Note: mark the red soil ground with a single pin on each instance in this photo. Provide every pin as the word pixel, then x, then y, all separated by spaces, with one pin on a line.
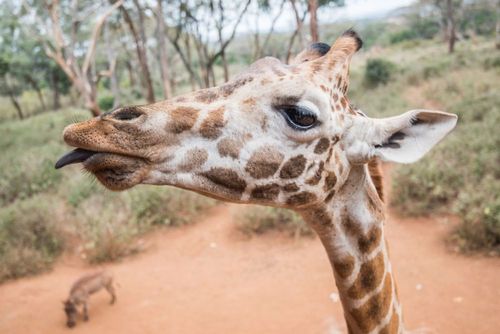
pixel 206 278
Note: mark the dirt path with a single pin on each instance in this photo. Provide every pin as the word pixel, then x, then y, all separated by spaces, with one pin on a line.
pixel 207 279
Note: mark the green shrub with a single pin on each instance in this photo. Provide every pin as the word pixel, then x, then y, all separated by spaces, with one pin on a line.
pixel 109 223
pixel 378 71
pixel 106 102
pixel 29 174
pixel 259 220
pixel 460 175
pixel 29 238
pixel 166 206
pixel 403 35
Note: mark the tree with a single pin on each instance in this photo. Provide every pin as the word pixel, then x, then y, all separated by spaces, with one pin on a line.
pixel 7 87
pixel 313 7
pixel 162 50
pixel 140 45
pixel 62 48
pixel 195 20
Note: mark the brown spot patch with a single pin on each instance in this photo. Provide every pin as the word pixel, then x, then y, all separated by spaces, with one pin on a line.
pixel 265 81
pixel 344 267
pixel 291 187
pixel 370 241
pixel 226 178
pixel 229 147
pixel 266 192
pixel 322 146
pixel 330 181
pixel 293 167
pixel 369 277
pixel 302 198
pixel 314 180
pixel 369 315
pixel 212 124
pixel 343 102
pixel 264 162
pixel 350 227
pixel 335 97
pixel 194 158
pixel 317 67
pixel 229 88
pixel 207 95
pixel 182 119
pixel 323 88
pixel 330 196
pixel 393 326
pixel 250 102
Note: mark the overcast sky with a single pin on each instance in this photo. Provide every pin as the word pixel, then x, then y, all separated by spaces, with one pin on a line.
pixel 354 9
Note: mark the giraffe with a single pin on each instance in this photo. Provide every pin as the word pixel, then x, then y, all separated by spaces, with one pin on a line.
pixel 277 135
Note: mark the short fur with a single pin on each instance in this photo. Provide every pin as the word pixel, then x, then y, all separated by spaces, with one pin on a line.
pixel 81 291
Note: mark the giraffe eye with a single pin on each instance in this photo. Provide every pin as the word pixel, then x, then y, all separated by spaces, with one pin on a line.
pixel 299 118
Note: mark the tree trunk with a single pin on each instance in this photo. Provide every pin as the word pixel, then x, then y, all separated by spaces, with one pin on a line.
pixel 111 55
pixel 225 66
pixel 313 8
pixel 16 104
pixel 497 30
pixel 130 71
pixel 37 89
pixel 56 100
pixel 450 26
pixel 299 23
pixel 141 55
pixel 192 78
pixel 162 52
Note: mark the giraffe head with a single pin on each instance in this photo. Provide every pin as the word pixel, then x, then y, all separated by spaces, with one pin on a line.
pixel 280 135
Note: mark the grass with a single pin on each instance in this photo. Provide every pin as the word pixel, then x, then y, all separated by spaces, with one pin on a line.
pixel 259 220
pixel 43 212
pixel 461 175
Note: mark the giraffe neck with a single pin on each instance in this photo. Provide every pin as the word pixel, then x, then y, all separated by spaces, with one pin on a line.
pixel 351 229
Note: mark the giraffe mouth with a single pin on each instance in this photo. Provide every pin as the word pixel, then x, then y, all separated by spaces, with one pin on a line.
pixel 115 171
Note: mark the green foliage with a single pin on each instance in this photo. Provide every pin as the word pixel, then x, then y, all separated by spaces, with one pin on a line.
pixel 259 220
pixel 479 19
pixel 29 238
pixel 106 102
pixel 378 71
pixel 461 174
pixel 403 35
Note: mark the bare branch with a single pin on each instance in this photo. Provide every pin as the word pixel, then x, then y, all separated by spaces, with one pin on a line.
pixel 95 35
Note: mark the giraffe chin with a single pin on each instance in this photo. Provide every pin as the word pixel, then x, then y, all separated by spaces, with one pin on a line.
pixel 117 172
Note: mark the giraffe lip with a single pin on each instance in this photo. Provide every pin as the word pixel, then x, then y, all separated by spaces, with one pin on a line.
pixel 76 156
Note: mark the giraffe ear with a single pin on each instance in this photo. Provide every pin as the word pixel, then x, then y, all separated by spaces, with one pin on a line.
pixel 408 137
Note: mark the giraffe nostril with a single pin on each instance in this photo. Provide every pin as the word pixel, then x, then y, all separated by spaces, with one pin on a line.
pixel 127 114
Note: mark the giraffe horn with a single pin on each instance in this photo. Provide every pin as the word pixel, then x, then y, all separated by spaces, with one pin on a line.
pixel 346 45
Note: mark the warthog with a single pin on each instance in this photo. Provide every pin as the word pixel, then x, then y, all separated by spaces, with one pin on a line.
pixel 81 291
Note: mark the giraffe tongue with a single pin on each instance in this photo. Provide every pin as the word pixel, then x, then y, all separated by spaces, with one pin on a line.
pixel 73 157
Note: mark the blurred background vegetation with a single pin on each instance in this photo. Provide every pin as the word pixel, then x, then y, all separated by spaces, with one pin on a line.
pixel 64 61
